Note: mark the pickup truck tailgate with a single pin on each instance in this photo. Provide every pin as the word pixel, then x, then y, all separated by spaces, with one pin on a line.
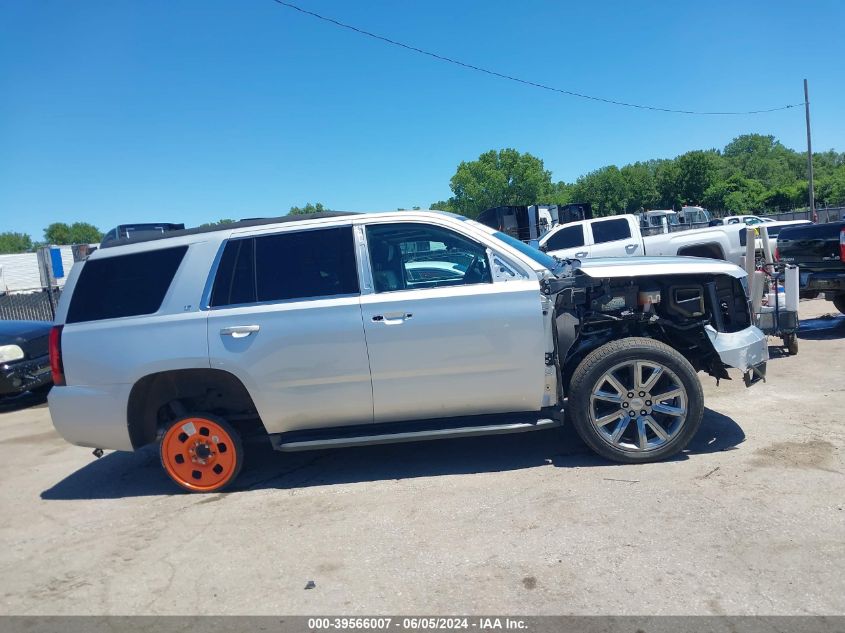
pixel 812 246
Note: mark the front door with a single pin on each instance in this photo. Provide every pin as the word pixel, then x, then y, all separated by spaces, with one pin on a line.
pixel 567 242
pixel 443 338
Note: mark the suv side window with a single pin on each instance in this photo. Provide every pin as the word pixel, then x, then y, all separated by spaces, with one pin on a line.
pixel 568 237
pixel 125 285
pixel 407 256
pixel 611 230
pixel 294 265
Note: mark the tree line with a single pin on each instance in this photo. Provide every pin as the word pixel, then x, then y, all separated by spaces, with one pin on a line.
pixel 752 173
pixel 58 233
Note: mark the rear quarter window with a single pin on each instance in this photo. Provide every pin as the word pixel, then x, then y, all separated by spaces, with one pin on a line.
pixel 125 285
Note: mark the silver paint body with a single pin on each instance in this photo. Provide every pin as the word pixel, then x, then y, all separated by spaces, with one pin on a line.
pixel 322 362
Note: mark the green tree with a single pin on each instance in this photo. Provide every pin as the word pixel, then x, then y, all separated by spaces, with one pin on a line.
pixel 695 173
pixel 736 195
pixel 220 222
pixel 11 242
pixel 76 233
pixel 506 177
pixel 641 187
pixel 764 159
pixel 561 193
pixel 829 190
pixel 605 189
pixel 308 208
pixel 785 197
pixel 667 178
pixel 442 205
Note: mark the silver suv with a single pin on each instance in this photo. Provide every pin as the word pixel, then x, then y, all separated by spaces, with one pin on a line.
pixel 348 329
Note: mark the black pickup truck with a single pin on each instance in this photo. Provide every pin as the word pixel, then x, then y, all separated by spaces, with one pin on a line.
pixel 819 251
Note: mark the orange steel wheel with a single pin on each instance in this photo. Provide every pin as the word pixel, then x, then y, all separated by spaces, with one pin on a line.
pixel 201 453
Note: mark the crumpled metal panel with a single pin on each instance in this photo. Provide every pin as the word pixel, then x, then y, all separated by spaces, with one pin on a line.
pixel 742 350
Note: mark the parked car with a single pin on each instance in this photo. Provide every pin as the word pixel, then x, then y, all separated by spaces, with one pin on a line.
pixel 819 251
pixel 24 358
pixel 622 236
pixel 320 328
pixel 751 220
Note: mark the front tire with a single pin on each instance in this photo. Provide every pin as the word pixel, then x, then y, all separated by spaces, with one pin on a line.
pixel 635 400
pixel 201 453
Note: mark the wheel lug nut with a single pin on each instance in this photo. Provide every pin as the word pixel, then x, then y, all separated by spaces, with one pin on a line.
pixel 630 394
pixel 648 403
pixel 643 412
pixel 624 405
pixel 642 394
pixel 633 414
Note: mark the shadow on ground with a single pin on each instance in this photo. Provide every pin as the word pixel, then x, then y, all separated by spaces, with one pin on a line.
pixel 119 474
pixel 824 328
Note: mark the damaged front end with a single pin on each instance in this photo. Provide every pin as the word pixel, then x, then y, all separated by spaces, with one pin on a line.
pixel 697 306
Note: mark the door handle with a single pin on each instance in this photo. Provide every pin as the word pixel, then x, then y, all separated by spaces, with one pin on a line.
pixel 392 318
pixel 581 254
pixel 239 331
pixel 630 247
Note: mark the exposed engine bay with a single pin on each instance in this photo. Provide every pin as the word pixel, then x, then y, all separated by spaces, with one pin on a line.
pixel 697 314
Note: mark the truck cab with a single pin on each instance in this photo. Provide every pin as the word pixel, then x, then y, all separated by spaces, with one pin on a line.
pixel 613 236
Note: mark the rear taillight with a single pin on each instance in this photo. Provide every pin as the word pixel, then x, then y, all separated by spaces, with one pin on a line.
pixel 842 245
pixel 57 368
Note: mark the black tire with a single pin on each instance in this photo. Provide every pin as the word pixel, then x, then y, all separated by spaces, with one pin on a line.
pixel 590 376
pixel 839 302
pixel 183 442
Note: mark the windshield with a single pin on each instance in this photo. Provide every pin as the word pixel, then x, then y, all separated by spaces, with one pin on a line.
pixel 547 261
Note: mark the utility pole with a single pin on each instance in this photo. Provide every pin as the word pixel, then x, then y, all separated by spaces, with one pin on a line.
pixel 813 215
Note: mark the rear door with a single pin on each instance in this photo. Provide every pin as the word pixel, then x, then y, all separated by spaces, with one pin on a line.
pixel 568 242
pixel 445 339
pixel 285 318
pixel 613 237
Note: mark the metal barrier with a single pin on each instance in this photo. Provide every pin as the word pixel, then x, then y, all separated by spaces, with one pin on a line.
pixel 827 214
pixel 37 304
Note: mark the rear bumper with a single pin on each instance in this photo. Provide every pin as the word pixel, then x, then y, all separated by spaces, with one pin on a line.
pixel 746 350
pixel 834 281
pixel 92 416
pixel 24 375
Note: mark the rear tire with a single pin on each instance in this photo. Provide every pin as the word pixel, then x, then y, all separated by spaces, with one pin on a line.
pixel 839 302
pixel 635 400
pixel 201 453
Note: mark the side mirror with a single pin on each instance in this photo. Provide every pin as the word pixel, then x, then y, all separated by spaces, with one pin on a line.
pixel 544 248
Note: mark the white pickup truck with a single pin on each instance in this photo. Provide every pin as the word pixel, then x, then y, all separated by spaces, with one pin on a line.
pixel 621 236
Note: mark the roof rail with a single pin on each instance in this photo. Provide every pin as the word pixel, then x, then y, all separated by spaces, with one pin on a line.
pixel 225 227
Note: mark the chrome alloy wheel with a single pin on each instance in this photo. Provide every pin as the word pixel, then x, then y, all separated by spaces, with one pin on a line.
pixel 638 406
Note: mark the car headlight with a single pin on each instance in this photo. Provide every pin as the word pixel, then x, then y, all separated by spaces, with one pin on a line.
pixel 9 353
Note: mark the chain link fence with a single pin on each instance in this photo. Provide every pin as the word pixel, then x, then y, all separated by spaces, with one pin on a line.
pixel 37 304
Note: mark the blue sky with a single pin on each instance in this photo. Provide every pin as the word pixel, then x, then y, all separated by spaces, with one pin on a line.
pixel 117 111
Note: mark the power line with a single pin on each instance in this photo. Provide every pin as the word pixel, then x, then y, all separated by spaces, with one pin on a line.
pixel 526 82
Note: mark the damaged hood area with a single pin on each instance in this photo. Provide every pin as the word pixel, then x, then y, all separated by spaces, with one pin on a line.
pixel 614 267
